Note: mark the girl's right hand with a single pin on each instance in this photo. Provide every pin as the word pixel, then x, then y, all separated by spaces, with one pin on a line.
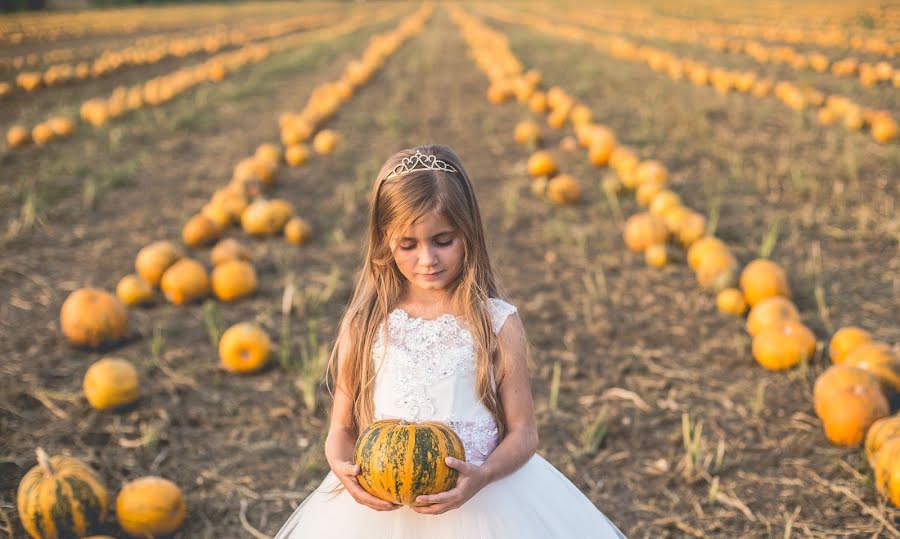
pixel 347 472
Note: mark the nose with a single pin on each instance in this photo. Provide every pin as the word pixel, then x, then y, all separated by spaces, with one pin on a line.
pixel 428 257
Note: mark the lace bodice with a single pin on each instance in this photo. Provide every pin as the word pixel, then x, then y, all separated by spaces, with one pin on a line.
pixel 426 371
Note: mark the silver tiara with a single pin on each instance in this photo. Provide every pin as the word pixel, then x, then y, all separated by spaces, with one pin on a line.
pixel 420 161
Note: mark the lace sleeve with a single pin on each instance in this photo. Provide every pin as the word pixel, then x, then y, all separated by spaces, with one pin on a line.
pixel 500 310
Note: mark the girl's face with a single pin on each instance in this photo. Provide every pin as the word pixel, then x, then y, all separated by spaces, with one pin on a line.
pixel 429 253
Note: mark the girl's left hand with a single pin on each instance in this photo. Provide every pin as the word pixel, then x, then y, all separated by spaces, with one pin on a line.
pixel 471 479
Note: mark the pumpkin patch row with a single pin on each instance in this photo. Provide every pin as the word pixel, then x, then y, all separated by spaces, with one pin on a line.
pixel 868 73
pixel 114 59
pixel 43 26
pixel 816 24
pixel 854 116
pixel 162 89
pixel 779 338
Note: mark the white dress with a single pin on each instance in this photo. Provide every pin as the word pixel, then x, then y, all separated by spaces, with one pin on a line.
pixel 428 373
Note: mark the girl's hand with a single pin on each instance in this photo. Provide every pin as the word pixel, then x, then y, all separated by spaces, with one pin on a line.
pixel 471 479
pixel 347 472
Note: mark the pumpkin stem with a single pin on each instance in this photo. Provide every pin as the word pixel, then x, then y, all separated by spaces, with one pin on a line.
pixel 44 460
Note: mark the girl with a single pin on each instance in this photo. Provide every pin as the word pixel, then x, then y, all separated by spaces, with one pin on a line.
pixel 426 337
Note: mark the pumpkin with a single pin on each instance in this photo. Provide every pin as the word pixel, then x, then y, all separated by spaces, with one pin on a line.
pixel 150 506
pixel 527 132
pixel 675 217
pixel 218 214
pixel 269 152
pixel 717 271
pixel 601 146
pixel 784 345
pixel 266 217
pixel 557 119
pixel 563 189
pixel 877 358
pixel 233 279
pixel 297 231
pixel 185 281
pixel 848 400
pixel 17 136
pixel 61 126
pixel 880 432
pixel 200 230
pixel 731 301
pixel 154 259
pixel 61 497
pixel 662 201
pixel 770 312
pixel 645 193
pixel 244 347
pixel 110 382
pixel 651 171
pixel 296 154
pixel 691 228
pixel 325 141
pixel 763 279
pixel 845 340
pixel 887 470
pixel 537 102
pixel 231 200
pixel 541 164
pixel 400 461
pixel 702 248
pixel 580 115
pixel 568 144
pixel 229 249
pixel 92 317
pixel 656 255
pixel 133 290
pixel 643 230
pixel 41 134
pixel 884 129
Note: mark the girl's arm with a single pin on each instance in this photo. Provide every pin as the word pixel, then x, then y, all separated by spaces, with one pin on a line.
pixel 521 439
pixel 342 438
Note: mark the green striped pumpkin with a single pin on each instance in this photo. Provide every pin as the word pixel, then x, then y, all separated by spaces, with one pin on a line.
pixel 399 460
pixel 61 497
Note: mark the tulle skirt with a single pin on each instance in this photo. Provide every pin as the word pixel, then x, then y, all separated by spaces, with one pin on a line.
pixel 536 501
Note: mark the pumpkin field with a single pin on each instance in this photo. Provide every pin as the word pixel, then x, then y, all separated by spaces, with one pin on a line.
pixel 694 207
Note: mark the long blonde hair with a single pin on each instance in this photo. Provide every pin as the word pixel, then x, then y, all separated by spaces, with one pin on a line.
pixel 396 203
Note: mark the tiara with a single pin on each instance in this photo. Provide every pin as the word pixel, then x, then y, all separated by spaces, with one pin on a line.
pixel 419 161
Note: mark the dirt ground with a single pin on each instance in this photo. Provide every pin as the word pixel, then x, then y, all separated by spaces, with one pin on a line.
pixel 643 348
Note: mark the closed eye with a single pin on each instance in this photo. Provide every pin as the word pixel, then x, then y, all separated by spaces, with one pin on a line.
pixel 412 246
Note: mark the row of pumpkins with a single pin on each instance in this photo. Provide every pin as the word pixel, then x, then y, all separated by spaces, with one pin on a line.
pixel 138 55
pixel 869 73
pixel 854 116
pixel 91 317
pixel 849 396
pixel 159 90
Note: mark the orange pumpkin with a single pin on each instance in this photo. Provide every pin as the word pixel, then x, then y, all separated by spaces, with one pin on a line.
pixel 185 281
pixel 763 279
pixel 887 470
pixel 229 249
pixel 325 141
pixel 702 248
pixel 848 400
pixel 564 189
pixel 233 279
pixel 731 301
pixel 269 152
pixel 846 339
pixel 150 506
pixel 784 345
pixel 154 259
pixel 244 347
pixel 643 230
pixel 880 432
pixel 297 231
pixel 17 136
pixel 527 132
pixel 662 201
pixel 133 290
pixel 92 317
pixel 651 171
pixel 656 255
pixel 296 155
pixel 717 271
pixel 691 228
pixel 200 230
pixel 541 164
pixel 111 382
pixel 770 312
pixel 879 359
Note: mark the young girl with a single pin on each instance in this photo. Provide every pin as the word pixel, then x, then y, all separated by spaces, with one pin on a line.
pixel 427 337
